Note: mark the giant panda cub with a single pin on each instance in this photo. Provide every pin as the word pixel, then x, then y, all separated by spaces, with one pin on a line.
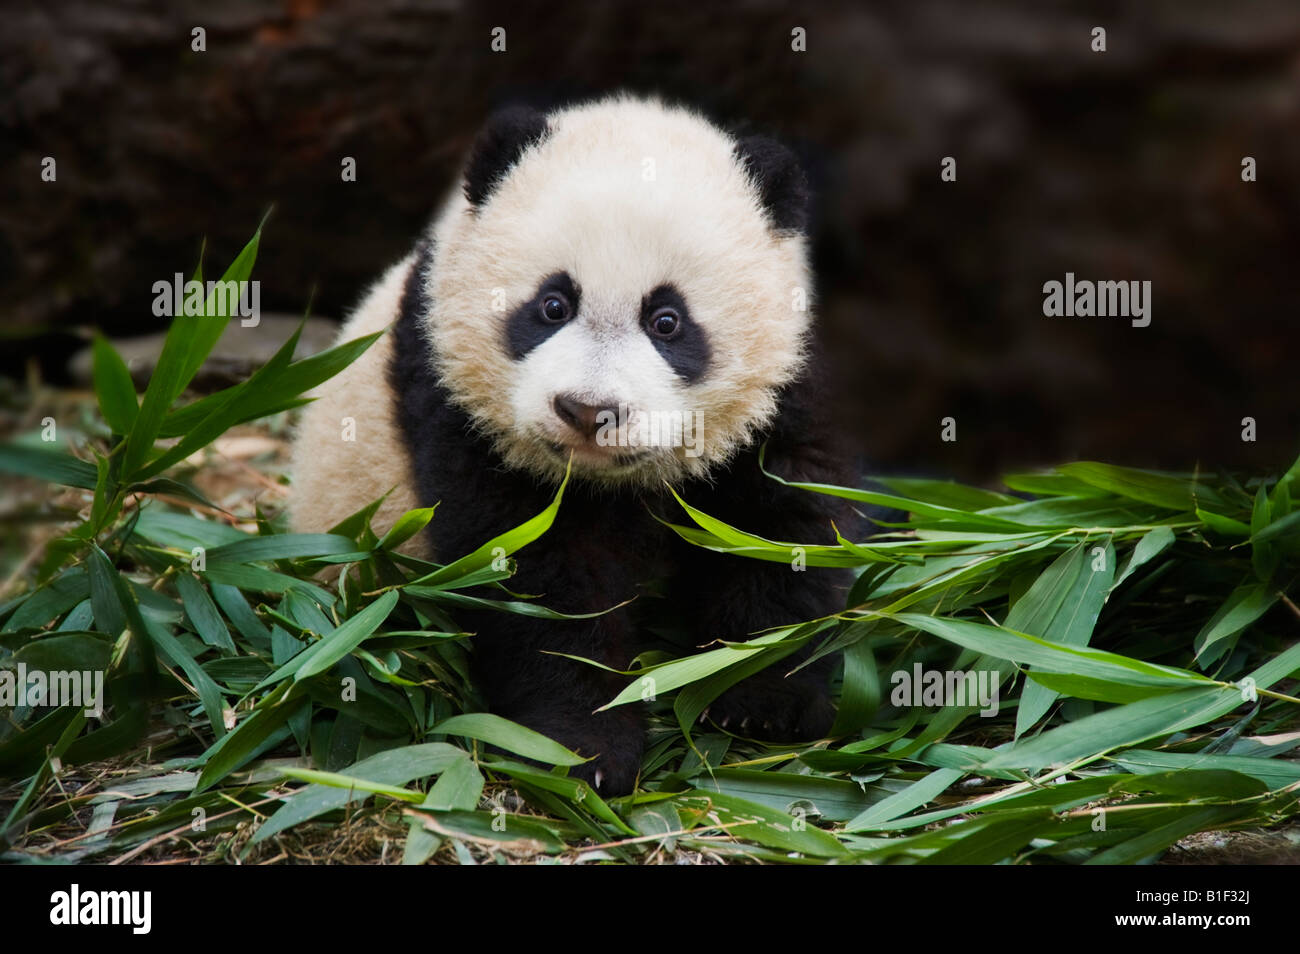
pixel 624 286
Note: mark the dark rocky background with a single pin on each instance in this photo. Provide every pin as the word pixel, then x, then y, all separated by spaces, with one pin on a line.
pixel 1120 165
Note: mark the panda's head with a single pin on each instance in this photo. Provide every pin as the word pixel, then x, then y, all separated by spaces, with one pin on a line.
pixel 622 282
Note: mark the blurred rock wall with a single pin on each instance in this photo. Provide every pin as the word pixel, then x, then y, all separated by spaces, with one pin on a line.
pixel 1117 165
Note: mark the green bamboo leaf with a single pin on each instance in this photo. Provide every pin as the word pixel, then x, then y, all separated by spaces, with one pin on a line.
pixel 725 538
pixel 256 579
pixel 1162 490
pixel 487 826
pixel 993 838
pixel 1244 606
pixel 174 652
pixel 831 799
pixel 348 782
pixel 189 341
pixel 1281 497
pixel 1262 512
pixel 1202 784
pixel 1153 543
pixel 1123 725
pixel 573 790
pixel 1274 773
pixel 445 594
pixel 860 697
pixel 900 803
pixel 269 394
pixel 494 730
pixel 458 788
pixel 280 546
pixel 1059 797
pixel 50 601
pixel 691 669
pixel 1150 842
pixel 68 652
pixel 696 696
pixel 1287 528
pixel 113 387
pixel 264 727
pixel 893 502
pixel 52 466
pixel 1025 649
pixel 946 493
pixel 222 418
pixel 500 546
pixel 1062 607
pixel 107 597
pixel 1264 556
pixel 182 531
pixel 751 821
pixel 1051 485
pixel 940 575
pixel 1066 513
pixel 392 767
pixel 814 555
pixel 1221 524
pixel 203 613
pixel 79 619
pixel 241 616
pixel 327 651
pixel 1090 687
pixel 275 385
pixel 165 486
pixel 407 526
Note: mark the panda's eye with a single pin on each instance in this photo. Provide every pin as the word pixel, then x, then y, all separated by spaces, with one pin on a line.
pixel 665 322
pixel 554 309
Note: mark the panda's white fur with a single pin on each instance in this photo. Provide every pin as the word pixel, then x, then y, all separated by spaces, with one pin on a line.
pixel 624 194
pixel 348 450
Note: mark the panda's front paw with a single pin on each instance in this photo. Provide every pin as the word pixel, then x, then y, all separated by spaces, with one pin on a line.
pixel 611 773
pixel 612 741
pixel 771 708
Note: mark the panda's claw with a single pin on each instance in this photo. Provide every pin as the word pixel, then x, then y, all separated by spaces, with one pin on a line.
pixel 776 709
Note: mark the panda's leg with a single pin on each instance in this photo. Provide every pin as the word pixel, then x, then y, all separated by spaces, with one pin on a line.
pixel 733 598
pixel 558 696
pixel 588 561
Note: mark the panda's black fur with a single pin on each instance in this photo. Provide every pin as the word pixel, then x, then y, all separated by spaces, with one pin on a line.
pixel 605 543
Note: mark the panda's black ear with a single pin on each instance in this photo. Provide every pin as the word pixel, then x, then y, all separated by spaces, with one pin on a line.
pixel 781 182
pixel 499 145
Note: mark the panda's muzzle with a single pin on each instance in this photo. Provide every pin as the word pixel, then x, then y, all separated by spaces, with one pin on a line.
pixel 583 419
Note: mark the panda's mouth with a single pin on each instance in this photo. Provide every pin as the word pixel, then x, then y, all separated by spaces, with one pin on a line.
pixel 595 456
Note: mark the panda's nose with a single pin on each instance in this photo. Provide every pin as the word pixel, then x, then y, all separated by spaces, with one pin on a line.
pixel 586 419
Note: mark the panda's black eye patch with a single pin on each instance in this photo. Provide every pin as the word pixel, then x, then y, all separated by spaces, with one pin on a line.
pixel 679 340
pixel 555 302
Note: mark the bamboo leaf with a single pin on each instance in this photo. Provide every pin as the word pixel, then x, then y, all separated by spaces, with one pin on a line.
pixel 113 387
pixel 507 735
pixel 1245 605
pixel 1062 607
